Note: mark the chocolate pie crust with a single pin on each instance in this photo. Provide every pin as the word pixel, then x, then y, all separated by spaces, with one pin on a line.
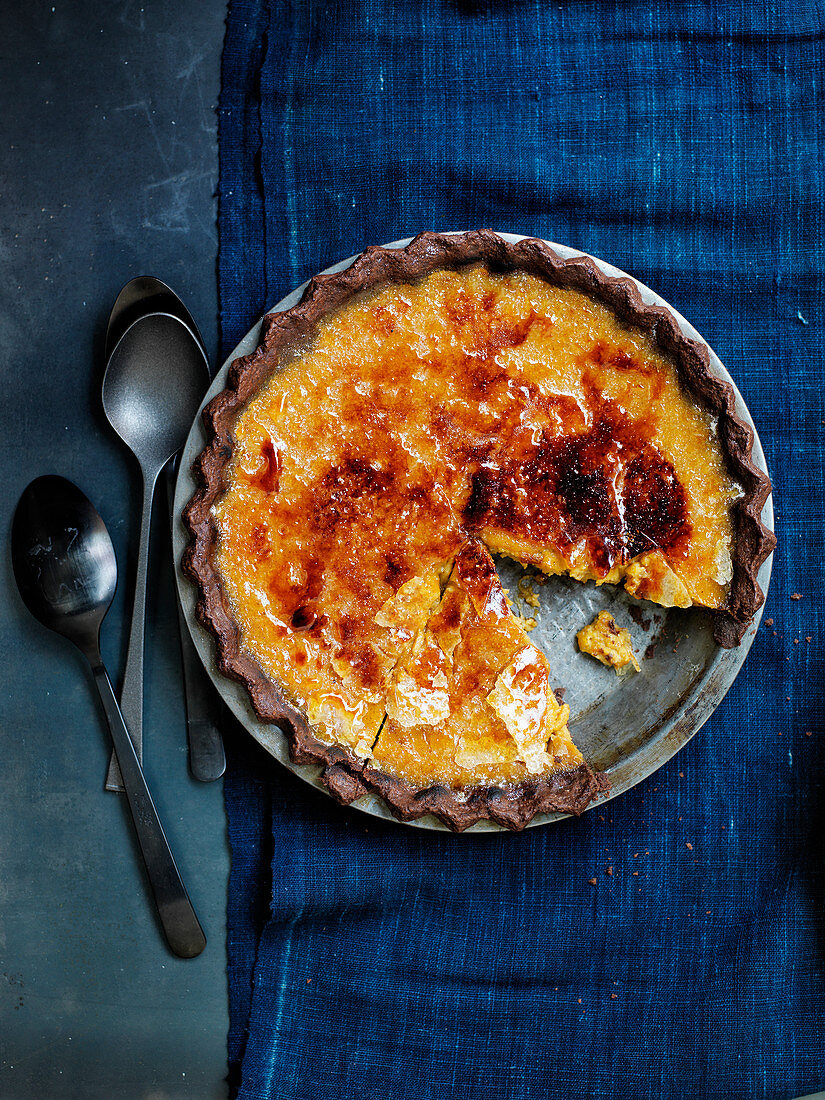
pixel 285 334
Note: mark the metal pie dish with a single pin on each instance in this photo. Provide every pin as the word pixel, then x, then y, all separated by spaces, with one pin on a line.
pixel 627 727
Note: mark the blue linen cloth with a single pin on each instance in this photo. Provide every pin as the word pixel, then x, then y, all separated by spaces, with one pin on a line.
pixel 682 142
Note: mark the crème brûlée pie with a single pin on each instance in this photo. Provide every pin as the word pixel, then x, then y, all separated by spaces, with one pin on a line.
pixel 412 415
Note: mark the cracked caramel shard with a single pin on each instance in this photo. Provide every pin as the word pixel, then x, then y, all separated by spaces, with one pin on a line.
pixel 427 406
pixel 524 701
pixel 476 701
pixel 608 643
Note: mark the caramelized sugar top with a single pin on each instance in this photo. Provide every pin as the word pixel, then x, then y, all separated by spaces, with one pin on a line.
pixel 472 703
pixel 470 403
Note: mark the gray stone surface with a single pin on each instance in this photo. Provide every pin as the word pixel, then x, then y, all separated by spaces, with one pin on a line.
pixel 108 166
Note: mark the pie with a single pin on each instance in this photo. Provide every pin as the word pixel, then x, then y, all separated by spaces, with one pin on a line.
pixel 412 415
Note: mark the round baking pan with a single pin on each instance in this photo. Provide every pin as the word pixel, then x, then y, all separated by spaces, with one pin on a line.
pixel 628 726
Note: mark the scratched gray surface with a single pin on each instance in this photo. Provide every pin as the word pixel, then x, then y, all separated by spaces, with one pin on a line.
pixel 107 170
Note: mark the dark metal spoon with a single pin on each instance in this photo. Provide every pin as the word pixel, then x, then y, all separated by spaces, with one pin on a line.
pixel 207 760
pixel 152 389
pixel 64 564
pixel 143 295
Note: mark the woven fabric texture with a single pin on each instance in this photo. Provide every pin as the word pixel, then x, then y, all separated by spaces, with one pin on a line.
pixel 684 143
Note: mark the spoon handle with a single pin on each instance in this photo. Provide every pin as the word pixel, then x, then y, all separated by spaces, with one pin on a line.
pixel 207 759
pixel 131 693
pixel 180 924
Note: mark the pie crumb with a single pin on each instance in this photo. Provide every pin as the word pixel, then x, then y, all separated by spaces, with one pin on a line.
pixel 527 592
pixel 527 623
pixel 608 643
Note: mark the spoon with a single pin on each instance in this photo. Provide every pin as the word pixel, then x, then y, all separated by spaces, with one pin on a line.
pixel 64 564
pixel 143 295
pixel 207 759
pixel 152 389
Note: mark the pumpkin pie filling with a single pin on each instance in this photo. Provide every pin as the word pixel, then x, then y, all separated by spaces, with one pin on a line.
pixel 424 424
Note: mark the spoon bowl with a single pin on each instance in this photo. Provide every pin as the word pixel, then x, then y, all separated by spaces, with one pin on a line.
pixel 63 559
pixel 140 296
pixel 154 382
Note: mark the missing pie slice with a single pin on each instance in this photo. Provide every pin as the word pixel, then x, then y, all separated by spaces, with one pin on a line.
pixel 411 414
